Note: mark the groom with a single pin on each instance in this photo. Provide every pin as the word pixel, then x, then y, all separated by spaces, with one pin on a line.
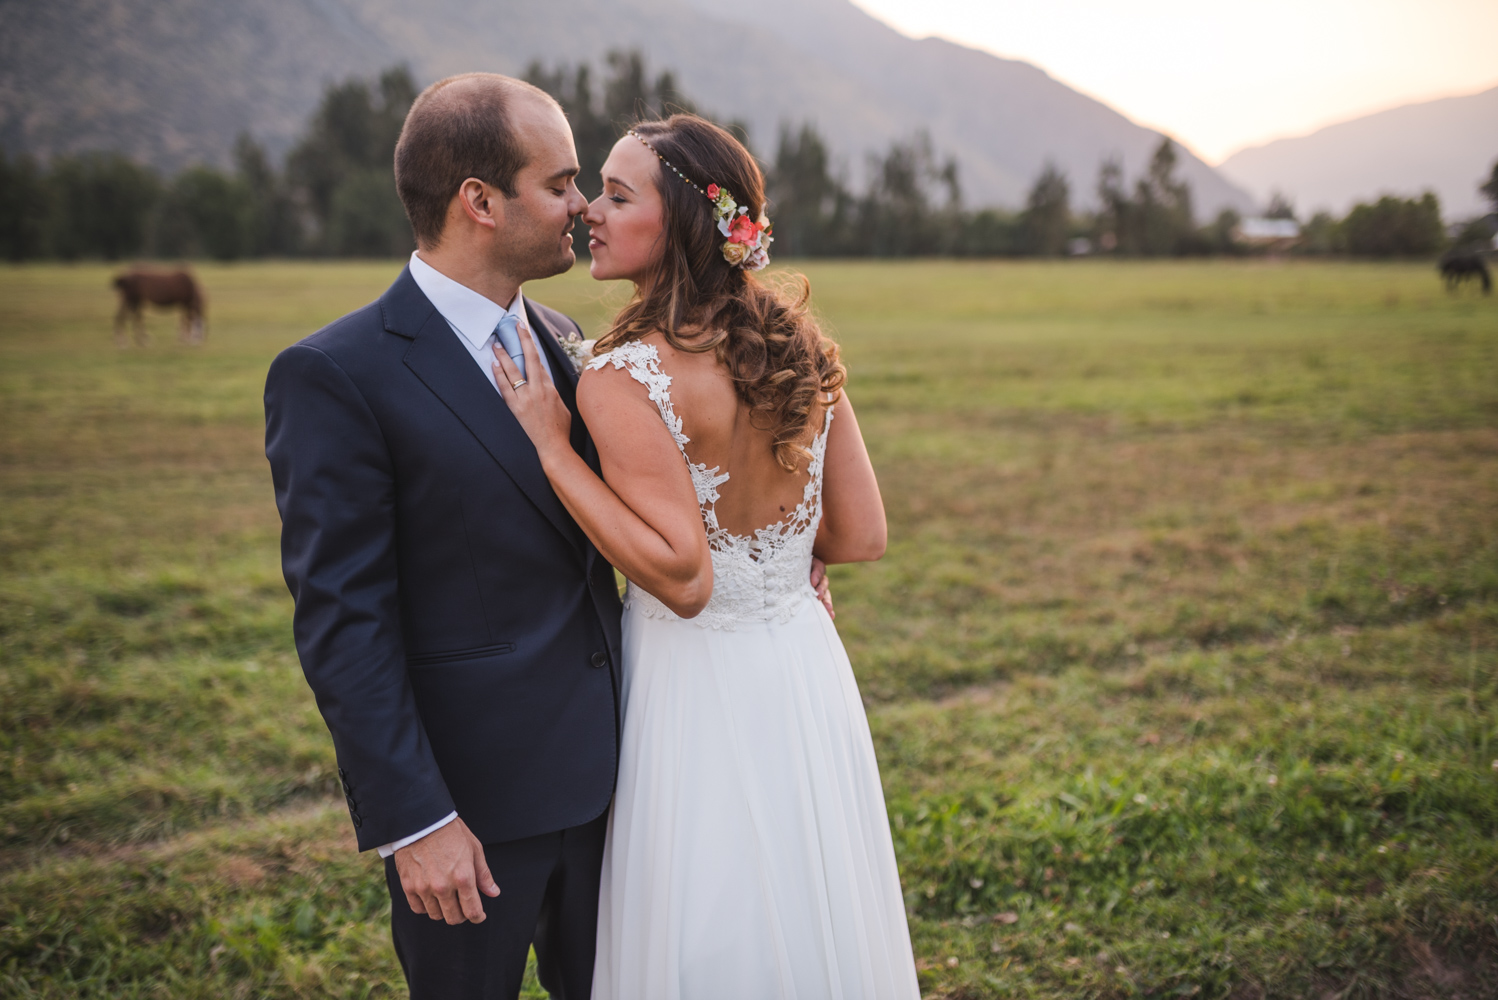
pixel 460 633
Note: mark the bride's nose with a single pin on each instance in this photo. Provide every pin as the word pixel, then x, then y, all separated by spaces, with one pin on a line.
pixel 594 215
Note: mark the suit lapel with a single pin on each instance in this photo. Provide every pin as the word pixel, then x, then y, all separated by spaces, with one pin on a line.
pixel 562 368
pixel 447 369
pixel 564 377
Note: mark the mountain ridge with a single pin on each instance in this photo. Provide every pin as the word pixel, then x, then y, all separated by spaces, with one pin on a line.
pixel 1447 145
pixel 172 81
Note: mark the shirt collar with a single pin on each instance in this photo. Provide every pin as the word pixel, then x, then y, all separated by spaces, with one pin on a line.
pixel 472 315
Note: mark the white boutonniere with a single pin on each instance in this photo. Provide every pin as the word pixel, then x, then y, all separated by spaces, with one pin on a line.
pixel 578 349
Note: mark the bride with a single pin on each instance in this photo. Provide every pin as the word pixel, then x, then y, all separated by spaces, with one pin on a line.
pixel 748 851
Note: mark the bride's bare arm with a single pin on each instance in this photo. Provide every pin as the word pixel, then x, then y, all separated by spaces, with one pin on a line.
pixel 644 518
pixel 853 526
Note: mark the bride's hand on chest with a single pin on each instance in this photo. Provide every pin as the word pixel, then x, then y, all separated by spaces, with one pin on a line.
pixel 533 398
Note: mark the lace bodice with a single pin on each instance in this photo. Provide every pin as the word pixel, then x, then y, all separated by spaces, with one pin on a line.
pixel 756 578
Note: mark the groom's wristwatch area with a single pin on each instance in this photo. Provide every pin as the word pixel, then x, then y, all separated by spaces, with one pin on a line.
pixel 388 849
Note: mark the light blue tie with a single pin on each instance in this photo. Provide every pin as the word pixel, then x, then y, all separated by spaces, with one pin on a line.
pixel 508 333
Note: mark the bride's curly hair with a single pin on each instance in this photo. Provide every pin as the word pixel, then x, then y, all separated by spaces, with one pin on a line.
pixel 782 367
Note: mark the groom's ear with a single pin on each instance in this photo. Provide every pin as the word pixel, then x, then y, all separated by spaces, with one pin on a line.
pixel 482 204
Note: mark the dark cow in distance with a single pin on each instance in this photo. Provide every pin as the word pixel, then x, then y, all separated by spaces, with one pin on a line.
pixel 167 289
pixel 1459 265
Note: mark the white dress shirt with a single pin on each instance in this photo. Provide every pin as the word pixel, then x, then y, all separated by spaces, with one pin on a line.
pixel 473 318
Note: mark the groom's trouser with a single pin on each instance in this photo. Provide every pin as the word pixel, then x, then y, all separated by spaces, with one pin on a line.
pixel 548 895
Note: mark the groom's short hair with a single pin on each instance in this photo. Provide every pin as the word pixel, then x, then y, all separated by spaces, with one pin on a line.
pixel 458 128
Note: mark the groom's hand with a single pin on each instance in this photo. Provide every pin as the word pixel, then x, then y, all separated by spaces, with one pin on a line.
pixel 443 873
pixel 820 585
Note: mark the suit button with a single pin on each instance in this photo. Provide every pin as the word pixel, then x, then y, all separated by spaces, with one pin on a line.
pixel 353 803
pixel 358 820
pixel 600 660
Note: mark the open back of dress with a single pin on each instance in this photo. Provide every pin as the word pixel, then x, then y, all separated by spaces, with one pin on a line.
pixel 760 574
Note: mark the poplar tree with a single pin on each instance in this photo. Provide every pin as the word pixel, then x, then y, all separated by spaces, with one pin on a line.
pixel 1047 215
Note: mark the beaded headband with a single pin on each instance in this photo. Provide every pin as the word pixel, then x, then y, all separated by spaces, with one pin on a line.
pixel 748 242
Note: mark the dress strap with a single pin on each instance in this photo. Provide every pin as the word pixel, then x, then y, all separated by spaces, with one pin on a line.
pixel 818 461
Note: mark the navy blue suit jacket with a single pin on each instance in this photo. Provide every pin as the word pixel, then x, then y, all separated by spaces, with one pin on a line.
pixel 459 631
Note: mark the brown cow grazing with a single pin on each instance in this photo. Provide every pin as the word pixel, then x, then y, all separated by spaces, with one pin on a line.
pixel 159 288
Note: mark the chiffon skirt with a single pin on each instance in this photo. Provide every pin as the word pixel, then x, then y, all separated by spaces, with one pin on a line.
pixel 749 852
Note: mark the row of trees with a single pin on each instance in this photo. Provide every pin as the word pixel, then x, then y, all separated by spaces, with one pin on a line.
pixel 913 206
pixel 335 195
pixel 1390 227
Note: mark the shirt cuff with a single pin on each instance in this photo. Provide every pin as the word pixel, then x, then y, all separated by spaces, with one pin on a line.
pixel 390 849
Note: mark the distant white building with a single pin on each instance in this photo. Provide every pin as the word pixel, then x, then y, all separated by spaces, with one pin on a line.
pixel 1270 235
pixel 1268 230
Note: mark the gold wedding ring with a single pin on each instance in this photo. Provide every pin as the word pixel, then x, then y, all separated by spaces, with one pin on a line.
pixel 517 383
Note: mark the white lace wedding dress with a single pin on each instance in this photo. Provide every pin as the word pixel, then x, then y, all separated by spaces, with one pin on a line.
pixel 749 853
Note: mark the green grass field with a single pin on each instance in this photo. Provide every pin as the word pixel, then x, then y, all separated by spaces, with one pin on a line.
pixel 1182 664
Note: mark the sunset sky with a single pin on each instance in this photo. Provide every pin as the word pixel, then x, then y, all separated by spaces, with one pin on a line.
pixel 1221 76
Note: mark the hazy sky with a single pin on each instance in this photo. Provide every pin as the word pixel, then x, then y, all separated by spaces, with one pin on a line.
pixel 1221 76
